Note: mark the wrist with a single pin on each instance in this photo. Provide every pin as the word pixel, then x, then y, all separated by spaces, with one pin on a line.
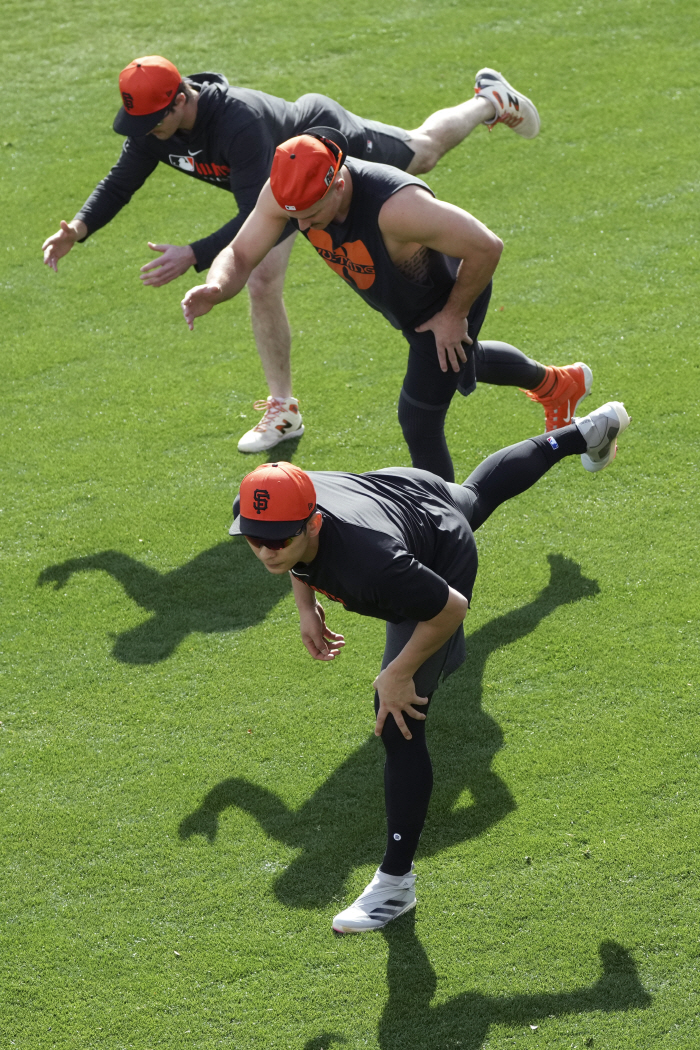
pixel 396 673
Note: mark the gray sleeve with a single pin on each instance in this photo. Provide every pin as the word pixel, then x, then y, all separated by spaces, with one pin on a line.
pixel 128 175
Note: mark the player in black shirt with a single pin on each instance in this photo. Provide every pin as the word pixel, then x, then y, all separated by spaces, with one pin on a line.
pixel 398 544
pixel 424 264
pixel 226 136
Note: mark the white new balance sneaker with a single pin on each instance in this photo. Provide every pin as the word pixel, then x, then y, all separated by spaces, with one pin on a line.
pixel 512 107
pixel 386 897
pixel 600 430
pixel 282 421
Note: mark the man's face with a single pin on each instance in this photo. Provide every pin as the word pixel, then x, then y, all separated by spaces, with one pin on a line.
pixel 319 215
pixel 302 548
pixel 170 122
pixel 281 561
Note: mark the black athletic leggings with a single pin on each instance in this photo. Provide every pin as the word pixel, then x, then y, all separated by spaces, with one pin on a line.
pixel 408 772
pixel 427 391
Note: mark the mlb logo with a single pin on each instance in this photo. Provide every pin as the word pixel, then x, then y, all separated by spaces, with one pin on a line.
pixel 183 163
pixel 369 146
pixel 552 442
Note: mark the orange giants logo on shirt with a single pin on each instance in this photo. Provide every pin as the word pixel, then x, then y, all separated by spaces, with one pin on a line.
pixel 352 261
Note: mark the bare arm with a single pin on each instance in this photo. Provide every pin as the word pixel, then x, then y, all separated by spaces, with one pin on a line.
pixel 412 218
pixel 397 693
pixel 233 266
pixel 322 643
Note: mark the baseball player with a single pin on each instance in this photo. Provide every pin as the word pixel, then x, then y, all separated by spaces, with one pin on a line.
pixel 226 136
pixel 398 544
pixel 424 264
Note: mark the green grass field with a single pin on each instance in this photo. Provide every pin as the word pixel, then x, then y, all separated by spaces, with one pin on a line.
pixel 187 799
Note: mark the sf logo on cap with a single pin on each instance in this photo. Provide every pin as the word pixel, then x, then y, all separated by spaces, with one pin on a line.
pixel 128 100
pixel 260 500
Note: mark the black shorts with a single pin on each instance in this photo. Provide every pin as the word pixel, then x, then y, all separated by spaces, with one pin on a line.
pixel 447 659
pixel 367 139
pixel 425 385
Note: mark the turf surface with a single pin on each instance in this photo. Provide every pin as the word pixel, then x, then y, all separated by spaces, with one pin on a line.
pixel 187 798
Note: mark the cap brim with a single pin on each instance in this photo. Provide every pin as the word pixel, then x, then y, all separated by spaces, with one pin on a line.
pixel 269 530
pixel 335 136
pixel 136 127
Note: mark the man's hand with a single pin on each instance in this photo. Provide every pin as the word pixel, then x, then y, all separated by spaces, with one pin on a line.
pixel 175 260
pixel 200 300
pixel 397 695
pixel 55 247
pixel 450 331
pixel 322 643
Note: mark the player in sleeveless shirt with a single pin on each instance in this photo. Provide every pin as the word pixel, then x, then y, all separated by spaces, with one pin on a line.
pixel 424 264
pixel 204 127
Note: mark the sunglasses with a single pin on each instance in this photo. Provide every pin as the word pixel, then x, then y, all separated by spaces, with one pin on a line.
pixel 278 545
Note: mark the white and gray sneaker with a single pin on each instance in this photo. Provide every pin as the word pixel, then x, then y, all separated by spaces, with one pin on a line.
pixel 386 897
pixel 282 421
pixel 512 107
pixel 600 430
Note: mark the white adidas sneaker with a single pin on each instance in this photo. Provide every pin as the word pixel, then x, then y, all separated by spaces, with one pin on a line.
pixel 600 430
pixel 512 107
pixel 282 421
pixel 386 897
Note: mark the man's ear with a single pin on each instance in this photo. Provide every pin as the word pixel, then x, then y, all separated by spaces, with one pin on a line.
pixel 314 526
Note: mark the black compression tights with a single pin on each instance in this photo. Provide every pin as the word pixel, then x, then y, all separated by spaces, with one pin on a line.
pixel 408 783
pixel 427 393
pixel 408 772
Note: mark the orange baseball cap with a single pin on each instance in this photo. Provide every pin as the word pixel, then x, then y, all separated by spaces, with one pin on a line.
pixel 304 167
pixel 148 86
pixel 274 501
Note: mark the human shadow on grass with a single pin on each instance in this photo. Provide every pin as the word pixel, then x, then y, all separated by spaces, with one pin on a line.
pixel 341 826
pixel 220 590
pixel 409 1022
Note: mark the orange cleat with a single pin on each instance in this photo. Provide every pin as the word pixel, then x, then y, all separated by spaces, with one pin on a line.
pixel 561 392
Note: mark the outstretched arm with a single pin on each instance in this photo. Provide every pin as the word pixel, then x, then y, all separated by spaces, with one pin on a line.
pixel 321 642
pixel 412 218
pixel 233 266
pixel 397 693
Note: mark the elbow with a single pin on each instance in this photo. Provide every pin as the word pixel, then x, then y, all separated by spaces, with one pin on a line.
pixel 459 606
pixel 495 249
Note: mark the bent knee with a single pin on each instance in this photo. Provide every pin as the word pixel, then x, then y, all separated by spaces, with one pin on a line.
pixel 265 287
pixel 425 154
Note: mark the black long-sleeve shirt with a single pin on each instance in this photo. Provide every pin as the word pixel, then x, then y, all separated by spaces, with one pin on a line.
pixel 231 145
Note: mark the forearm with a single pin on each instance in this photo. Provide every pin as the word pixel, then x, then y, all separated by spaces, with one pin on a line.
pixel 117 188
pixel 473 276
pixel 304 597
pixel 207 248
pixel 230 272
pixel 428 637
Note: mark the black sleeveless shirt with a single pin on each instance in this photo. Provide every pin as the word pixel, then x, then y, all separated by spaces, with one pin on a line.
pixel 355 249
